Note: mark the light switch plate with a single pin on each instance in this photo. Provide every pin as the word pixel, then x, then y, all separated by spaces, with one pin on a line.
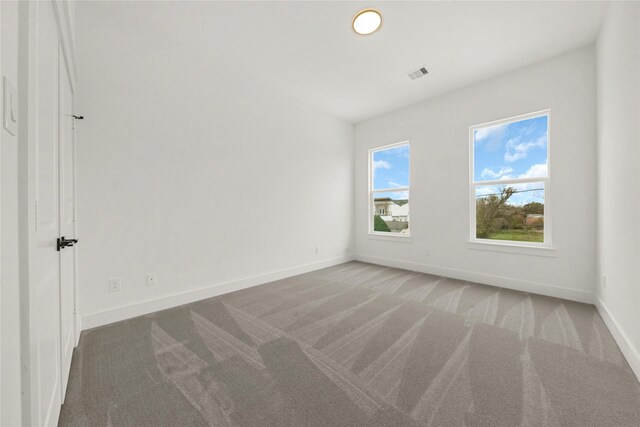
pixel 9 106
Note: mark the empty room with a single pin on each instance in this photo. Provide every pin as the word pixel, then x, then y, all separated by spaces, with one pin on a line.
pixel 320 213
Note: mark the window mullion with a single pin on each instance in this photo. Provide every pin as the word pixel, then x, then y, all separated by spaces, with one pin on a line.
pixel 517 225
pixel 511 181
pixel 388 209
pixel 391 190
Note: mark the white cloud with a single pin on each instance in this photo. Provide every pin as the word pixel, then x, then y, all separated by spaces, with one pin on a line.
pixel 393 184
pixel 517 150
pixel 537 170
pixel 503 173
pixel 486 190
pixel 526 193
pixel 381 164
pixel 484 133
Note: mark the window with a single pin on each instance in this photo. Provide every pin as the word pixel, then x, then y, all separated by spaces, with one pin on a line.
pixel 510 181
pixel 389 190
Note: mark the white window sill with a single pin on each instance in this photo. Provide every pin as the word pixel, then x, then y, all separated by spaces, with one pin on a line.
pixel 513 248
pixel 391 237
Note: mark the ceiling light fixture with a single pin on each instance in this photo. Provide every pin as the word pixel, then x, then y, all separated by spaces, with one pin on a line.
pixel 367 21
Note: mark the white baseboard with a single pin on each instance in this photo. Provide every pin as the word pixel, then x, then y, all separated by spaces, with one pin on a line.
pixel 116 314
pixel 629 351
pixel 104 317
pixel 487 279
pixel 78 320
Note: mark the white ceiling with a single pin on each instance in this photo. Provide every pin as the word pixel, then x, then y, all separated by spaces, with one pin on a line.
pixel 309 49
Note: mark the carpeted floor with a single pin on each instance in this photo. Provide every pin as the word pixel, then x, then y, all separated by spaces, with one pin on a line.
pixel 356 345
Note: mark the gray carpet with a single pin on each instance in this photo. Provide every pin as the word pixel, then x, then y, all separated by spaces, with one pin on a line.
pixel 356 345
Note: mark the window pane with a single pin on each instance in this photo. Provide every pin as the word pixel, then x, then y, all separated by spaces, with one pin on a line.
pixel 390 168
pixel 391 212
pixel 510 212
pixel 511 150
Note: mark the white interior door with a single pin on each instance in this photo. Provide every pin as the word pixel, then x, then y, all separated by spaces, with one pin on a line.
pixel 44 263
pixel 67 224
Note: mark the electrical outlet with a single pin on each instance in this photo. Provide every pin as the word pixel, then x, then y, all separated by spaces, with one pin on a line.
pixel 604 281
pixel 151 280
pixel 317 250
pixel 115 285
pixel 427 252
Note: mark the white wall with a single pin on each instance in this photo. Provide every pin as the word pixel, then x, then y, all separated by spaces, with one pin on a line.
pixel 190 172
pixel 439 133
pixel 618 71
pixel 9 274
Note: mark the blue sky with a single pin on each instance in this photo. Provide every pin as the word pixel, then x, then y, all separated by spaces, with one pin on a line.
pixel 511 150
pixel 391 168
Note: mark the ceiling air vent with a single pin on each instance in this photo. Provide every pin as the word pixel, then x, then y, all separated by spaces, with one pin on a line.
pixel 419 72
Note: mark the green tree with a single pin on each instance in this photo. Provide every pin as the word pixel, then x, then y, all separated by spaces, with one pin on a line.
pixel 491 212
pixel 379 224
pixel 517 221
pixel 533 208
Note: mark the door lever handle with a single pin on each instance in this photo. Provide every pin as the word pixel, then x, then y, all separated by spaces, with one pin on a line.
pixel 63 243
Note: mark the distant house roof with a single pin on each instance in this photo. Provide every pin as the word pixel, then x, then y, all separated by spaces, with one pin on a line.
pixel 399 202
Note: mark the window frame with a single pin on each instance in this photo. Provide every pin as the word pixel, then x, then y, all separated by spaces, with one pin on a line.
pixel 371 191
pixel 510 245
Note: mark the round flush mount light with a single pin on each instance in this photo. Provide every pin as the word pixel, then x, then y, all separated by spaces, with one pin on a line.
pixel 367 21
